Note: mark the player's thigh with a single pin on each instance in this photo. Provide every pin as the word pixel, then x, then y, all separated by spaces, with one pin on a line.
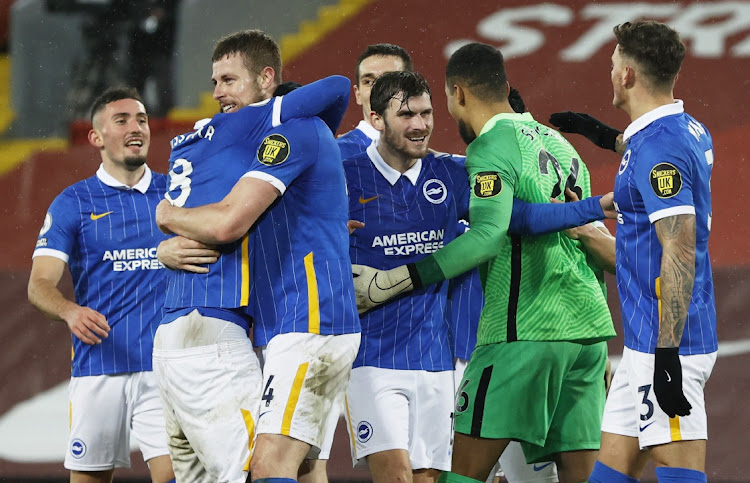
pixel 302 377
pixel 575 425
pixel 431 420
pixel 331 422
pixel 516 470
pixel 377 410
pixel 213 393
pixel 147 416
pixel 500 398
pixel 647 421
pixel 99 430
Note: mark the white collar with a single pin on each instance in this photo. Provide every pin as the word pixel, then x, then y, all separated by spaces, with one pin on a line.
pixel 651 116
pixel 369 131
pixel 390 174
pixel 109 180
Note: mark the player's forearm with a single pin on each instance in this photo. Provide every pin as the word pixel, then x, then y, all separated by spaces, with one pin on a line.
pixel 326 98
pixel 600 244
pixel 489 229
pixel 677 237
pixel 211 224
pixel 534 219
pixel 47 298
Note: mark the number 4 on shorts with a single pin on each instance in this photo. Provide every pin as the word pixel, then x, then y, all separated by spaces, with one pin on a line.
pixel 268 392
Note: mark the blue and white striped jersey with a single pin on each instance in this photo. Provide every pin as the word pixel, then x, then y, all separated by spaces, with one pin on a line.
pixel 406 217
pixel 106 232
pixel 665 172
pixel 302 272
pixel 357 140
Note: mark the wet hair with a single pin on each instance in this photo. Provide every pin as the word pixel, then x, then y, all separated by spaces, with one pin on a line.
pixel 481 68
pixel 655 47
pixel 396 85
pixel 383 50
pixel 257 48
pixel 113 94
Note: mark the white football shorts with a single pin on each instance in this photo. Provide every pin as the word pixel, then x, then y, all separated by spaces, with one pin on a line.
pixel 103 411
pixel 401 409
pixel 210 395
pixel 632 409
pixel 303 375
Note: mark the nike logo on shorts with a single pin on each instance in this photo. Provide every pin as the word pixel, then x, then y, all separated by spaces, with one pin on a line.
pixel 643 428
pixel 541 467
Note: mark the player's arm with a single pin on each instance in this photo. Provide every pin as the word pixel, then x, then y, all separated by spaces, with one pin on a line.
pixel 87 324
pixel 490 209
pixel 180 253
pixel 326 98
pixel 222 222
pixel 593 129
pixel 534 219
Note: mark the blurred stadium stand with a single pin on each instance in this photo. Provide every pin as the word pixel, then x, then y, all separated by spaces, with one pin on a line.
pixel 558 57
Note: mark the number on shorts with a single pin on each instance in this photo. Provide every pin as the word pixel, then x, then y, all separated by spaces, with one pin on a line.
pixel 462 401
pixel 645 390
pixel 268 392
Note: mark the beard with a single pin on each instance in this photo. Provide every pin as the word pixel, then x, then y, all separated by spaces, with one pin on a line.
pixel 134 162
pixel 395 141
pixel 466 133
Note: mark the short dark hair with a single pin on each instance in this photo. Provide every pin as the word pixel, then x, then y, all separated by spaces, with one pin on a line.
pixel 482 68
pixel 257 48
pixel 403 84
pixel 655 47
pixel 383 50
pixel 113 94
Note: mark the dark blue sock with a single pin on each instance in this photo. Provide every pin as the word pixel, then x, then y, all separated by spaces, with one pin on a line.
pixel 604 474
pixel 679 475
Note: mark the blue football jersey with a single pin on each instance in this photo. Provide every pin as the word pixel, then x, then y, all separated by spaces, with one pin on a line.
pixel 406 217
pixel 302 272
pixel 357 140
pixel 106 232
pixel 665 172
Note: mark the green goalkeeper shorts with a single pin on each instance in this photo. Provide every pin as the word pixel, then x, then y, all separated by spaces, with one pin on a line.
pixel 547 395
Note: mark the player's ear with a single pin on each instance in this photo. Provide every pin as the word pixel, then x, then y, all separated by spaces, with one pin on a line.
pixel 266 78
pixel 95 139
pixel 460 95
pixel 377 121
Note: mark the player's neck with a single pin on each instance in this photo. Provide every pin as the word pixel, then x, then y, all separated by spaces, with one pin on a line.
pixel 481 112
pixel 123 175
pixel 395 159
pixel 638 105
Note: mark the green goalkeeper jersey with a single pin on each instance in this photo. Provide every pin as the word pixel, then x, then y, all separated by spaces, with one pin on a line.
pixel 536 288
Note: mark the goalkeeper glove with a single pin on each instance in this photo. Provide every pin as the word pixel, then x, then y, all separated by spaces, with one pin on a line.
pixel 373 287
pixel 580 123
pixel 285 88
pixel 668 382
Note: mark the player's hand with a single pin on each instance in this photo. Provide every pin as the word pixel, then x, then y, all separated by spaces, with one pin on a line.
pixel 162 216
pixel 581 123
pixel 607 203
pixel 285 88
pixel 373 287
pixel 186 254
pixel 352 225
pixel 668 382
pixel 87 324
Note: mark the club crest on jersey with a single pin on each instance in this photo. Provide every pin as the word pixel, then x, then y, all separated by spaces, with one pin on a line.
pixel 666 180
pixel 487 184
pixel 434 190
pixel 47 224
pixel 364 431
pixel 273 150
pixel 77 448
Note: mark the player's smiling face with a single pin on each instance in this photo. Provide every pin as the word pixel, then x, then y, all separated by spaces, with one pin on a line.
pixel 121 131
pixel 234 85
pixel 407 126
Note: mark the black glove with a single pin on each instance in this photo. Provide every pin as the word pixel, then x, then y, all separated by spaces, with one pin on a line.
pixel 668 382
pixel 285 88
pixel 581 123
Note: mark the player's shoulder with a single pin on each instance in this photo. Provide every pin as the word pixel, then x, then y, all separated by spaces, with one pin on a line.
pixel 358 160
pixel 452 163
pixel 80 189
